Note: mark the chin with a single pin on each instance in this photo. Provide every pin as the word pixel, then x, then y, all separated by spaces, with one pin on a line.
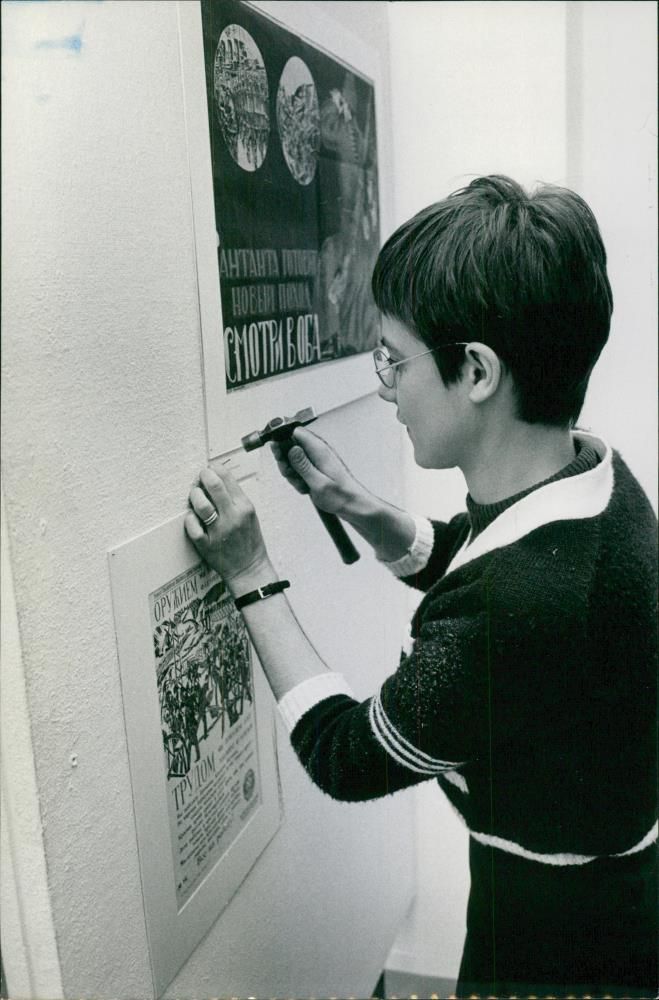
pixel 424 461
pixel 428 461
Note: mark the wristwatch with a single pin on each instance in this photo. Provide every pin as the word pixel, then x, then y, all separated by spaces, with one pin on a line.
pixel 261 593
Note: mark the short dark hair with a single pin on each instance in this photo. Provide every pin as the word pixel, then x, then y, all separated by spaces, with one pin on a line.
pixel 523 273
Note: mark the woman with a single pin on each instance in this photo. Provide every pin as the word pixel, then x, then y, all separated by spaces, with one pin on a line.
pixel 528 687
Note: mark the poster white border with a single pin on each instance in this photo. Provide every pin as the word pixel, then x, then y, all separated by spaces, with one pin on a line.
pixel 137 569
pixel 325 386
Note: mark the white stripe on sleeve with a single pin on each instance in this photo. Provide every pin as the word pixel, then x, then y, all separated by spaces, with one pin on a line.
pixel 399 748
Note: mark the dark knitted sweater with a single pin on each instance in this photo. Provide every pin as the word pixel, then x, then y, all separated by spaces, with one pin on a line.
pixel 529 691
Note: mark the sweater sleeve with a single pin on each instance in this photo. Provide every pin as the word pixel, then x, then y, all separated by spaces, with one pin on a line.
pixel 434 545
pixel 429 717
pixel 495 655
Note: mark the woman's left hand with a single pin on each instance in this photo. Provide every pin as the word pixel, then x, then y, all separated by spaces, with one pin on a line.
pixel 223 526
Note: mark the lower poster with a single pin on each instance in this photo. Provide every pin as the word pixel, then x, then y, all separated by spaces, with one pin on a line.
pixel 200 733
pixel 208 720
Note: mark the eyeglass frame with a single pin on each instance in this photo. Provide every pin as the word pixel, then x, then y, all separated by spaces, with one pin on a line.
pixel 395 364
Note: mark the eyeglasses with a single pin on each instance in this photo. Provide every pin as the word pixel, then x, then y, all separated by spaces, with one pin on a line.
pixel 385 368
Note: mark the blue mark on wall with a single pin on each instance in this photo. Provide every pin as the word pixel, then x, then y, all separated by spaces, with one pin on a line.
pixel 72 43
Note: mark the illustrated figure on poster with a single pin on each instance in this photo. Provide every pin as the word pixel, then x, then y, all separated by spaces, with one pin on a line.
pixel 343 301
pixel 204 676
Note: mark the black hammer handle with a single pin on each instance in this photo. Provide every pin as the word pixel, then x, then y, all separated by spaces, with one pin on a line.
pixel 340 536
pixel 332 523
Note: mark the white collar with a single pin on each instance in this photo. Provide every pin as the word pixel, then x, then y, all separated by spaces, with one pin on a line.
pixel 584 495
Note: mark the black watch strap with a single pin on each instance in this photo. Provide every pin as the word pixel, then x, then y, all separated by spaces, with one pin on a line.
pixel 261 593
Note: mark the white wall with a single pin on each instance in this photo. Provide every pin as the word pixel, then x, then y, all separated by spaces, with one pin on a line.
pixel 103 432
pixel 543 91
pixel 28 935
pixel 615 169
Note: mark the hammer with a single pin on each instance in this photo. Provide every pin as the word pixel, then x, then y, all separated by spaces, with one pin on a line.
pixel 280 429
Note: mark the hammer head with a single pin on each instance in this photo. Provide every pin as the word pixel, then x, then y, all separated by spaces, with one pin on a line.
pixel 278 429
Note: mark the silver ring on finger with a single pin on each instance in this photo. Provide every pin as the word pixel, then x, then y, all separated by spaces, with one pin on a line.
pixel 209 520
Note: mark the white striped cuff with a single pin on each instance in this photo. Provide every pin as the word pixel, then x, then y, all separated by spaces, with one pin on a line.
pixel 305 695
pixel 417 556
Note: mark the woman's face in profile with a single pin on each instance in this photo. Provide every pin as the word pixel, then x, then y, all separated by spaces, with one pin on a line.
pixel 433 414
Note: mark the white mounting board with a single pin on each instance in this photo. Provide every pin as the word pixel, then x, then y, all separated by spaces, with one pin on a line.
pixel 137 569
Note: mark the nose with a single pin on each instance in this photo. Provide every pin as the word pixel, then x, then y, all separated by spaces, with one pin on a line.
pixel 389 395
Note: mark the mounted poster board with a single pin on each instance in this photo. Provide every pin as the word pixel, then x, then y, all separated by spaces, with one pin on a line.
pixel 201 743
pixel 283 143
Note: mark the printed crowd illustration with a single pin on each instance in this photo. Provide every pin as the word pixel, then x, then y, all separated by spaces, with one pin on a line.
pixel 204 677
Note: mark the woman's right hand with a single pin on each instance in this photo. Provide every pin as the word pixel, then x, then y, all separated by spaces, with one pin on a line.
pixel 314 468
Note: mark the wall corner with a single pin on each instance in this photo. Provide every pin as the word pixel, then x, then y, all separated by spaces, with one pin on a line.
pixel 29 949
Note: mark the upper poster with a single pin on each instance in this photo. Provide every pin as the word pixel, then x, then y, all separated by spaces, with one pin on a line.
pixel 294 161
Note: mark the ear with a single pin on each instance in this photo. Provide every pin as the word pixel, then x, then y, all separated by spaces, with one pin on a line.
pixel 482 372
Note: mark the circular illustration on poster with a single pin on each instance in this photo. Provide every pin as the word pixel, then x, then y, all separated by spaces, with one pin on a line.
pixel 298 120
pixel 240 87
